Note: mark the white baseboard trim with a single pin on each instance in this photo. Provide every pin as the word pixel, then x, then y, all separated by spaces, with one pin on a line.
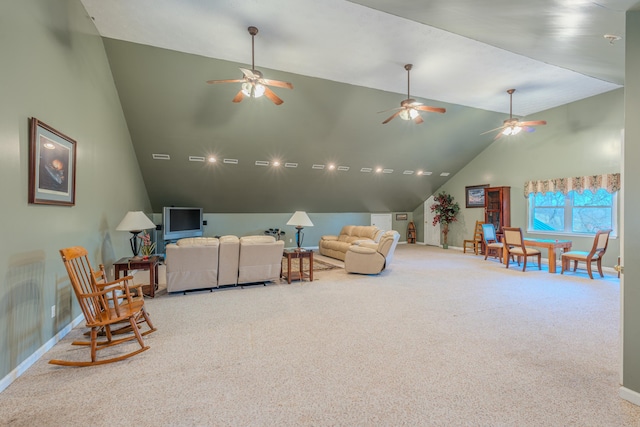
pixel 630 395
pixel 29 361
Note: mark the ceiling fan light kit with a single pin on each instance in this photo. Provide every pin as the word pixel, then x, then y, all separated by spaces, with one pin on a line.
pixel 254 85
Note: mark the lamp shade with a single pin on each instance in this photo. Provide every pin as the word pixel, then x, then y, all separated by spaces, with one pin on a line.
pixel 135 221
pixel 300 218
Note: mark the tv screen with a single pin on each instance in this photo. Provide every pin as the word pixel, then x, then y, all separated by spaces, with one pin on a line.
pixel 178 223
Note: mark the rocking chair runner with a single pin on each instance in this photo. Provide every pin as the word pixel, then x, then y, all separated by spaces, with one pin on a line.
pixel 103 305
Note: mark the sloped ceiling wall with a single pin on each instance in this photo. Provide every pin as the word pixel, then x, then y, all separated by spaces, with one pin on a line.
pixel 171 110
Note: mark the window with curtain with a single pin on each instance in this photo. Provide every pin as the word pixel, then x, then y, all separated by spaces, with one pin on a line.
pixel 579 205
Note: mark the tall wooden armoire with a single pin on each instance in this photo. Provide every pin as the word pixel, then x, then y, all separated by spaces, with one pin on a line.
pixel 497 207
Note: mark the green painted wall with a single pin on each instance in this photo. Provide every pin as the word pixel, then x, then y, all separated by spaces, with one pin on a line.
pixel 54 68
pixel 581 138
pixel 631 207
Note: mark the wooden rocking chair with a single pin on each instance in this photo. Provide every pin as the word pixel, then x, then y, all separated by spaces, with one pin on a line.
pixel 103 305
pixel 477 239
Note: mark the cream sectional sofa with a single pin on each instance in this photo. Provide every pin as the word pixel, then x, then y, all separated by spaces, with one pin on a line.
pixel 337 246
pixel 209 262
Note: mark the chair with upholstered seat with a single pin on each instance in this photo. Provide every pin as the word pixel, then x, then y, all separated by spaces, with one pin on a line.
pixel 600 243
pixel 366 257
pixel 491 244
pixel 477 240
pixel 514 246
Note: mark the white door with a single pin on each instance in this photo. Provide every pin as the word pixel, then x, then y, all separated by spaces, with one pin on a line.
pixel 431 233
pixel 382 221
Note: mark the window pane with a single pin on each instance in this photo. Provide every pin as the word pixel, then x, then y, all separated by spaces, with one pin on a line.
pixel 549 199
pixel 590 220
pixel 601 198
pixel 548 219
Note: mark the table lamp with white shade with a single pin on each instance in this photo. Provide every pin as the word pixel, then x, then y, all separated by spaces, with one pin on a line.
pixel 300 219
pixel 134 222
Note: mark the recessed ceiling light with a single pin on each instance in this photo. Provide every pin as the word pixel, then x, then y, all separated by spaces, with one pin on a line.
pixel 161 157
pixel 378 170
pixel 230 161
pixel 290 165
pixel 196 159
pixel 262 163
pixel 445 174
pixel 409 173
pixel 317 167
pixel 366 170
pixel 343 168
pixel 332 166
pixel 212 159
pixel 276 163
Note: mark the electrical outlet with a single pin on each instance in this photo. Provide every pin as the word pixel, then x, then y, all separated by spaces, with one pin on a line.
pixel 290 240
pixel 53 311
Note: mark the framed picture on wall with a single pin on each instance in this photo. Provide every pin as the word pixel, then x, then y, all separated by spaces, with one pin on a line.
pixel 52 166
pixel 401 217
pixel 474 196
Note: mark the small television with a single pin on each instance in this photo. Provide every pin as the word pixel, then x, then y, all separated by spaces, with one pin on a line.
pixel 178 223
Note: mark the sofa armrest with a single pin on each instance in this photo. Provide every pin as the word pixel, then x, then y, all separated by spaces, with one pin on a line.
pixel 329 237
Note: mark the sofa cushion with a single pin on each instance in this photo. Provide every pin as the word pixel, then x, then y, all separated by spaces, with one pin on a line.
pixel 198 241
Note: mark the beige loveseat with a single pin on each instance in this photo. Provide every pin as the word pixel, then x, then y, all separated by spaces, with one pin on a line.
pixel 369 257
pixel 337 246
pixel 209 262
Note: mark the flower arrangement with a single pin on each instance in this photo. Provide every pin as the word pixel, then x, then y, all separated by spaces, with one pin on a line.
pixel 148 246
pixel 446 210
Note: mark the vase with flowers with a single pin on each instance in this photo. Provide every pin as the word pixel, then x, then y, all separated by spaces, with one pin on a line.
pixel 147 246
pixel 446 211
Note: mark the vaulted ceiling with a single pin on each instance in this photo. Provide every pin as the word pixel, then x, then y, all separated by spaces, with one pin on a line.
pixel 345 61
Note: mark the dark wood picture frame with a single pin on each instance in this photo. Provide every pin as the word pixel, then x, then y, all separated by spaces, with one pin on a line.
pixel 52 166
pixel 402 217
pixel 474 196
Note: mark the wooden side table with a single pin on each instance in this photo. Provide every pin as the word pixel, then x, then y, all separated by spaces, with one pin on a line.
pixel 290 254
pixel 151 264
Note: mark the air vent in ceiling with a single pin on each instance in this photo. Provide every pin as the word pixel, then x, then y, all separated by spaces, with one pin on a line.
pixel 343 168
pixel 196 159
pixel 407 173
pixel 230 161
pixel 427 173
pixel 317 167
pixel 161 157
pixel 290 165
pixel 367 170
pixel 387 170
pixel 262 163
pixel 445 174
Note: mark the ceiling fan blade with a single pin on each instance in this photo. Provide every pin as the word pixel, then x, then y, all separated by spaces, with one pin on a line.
pixel 277 83
pixel 272 96
pixel 534 123
pixel 392 117
pixel 226 81
pixel 249 73
pixel 498 135
pixel 239 96
pixel 390 109
pixel 492 130
pixel 418 119
pixel 431 109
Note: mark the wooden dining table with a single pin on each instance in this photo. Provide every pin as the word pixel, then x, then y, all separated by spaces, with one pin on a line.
pixel 551 245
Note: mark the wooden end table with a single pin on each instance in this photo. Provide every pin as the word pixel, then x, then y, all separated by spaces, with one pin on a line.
pixel 290 254
pixel 151 264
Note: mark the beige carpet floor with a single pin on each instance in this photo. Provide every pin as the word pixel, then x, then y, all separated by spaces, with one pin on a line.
pixel 440 338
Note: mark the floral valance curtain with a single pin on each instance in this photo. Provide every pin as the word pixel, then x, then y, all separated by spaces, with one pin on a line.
pixel 609 182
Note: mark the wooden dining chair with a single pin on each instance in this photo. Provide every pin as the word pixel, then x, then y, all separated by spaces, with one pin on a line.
pixel 514 245
pixel 104 305
pixel 600 243
pixel 491 244
pixel 477 240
